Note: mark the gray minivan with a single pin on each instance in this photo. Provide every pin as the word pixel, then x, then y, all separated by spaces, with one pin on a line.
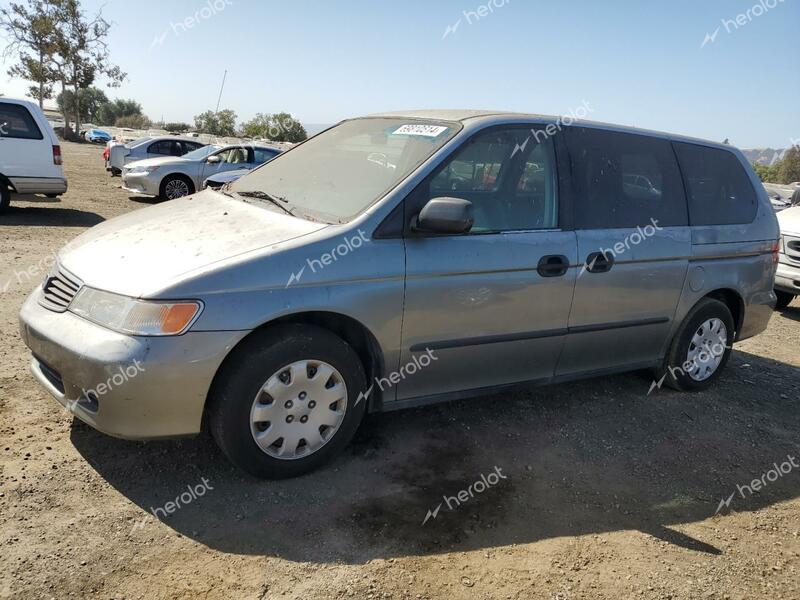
pixel 403 259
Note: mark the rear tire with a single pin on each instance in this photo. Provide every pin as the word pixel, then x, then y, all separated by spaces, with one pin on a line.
pixel 5 197
pixel 784 300
pixel 289 433
pixel 700 349
pixel 52 195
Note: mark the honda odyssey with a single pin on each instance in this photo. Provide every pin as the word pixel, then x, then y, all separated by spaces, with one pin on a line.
pixel 399 260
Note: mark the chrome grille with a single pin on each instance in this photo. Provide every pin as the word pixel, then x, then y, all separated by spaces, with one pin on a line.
pixel 59 289
pixel 791 246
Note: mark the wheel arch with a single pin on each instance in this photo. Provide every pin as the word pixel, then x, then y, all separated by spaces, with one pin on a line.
pixel 735 303
pixel 352 331
pixel 7 182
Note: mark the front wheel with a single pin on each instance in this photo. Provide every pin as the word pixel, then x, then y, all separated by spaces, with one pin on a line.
pixel 701 347
pixel 287 401
pixel 784 299
pixel 176 186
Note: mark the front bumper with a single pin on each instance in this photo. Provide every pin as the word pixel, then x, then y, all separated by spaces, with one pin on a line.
pixel 128 387
pixel 140 184
pixel 787 278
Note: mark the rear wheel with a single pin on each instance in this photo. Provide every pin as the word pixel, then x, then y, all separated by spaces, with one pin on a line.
pixel 286 401
pixel 701 347
pixel 52 195
pixel 176 186
pixel 784 299
pixel 5 197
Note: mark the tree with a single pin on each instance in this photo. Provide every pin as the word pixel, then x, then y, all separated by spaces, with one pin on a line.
pixel 133 122
pixel 91 102
pixel 222 123
pixel 767 173
pixel 789 167
pixel 32 32
pixel 280 127
pixel 109 112
pixel 82 52
pixel 177 127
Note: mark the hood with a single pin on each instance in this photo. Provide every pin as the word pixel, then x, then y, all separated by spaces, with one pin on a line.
pixel 789 220
pixel 148 250
pixel 157 162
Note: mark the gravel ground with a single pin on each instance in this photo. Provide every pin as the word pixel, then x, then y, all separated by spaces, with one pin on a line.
pixel 599 490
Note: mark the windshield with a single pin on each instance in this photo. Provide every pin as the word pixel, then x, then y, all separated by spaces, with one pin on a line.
pixel 340 172
pixel 200 152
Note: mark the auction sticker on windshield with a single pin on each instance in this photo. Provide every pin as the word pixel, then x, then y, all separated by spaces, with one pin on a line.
pixel 418 129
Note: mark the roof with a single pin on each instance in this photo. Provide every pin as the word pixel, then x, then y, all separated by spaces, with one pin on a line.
pixel 465 115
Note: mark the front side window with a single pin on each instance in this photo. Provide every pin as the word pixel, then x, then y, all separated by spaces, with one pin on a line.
pixel 233 156
pixel 17 122
pixel 509 176
pixel 720 192
pixel 337 174
pixel 624 180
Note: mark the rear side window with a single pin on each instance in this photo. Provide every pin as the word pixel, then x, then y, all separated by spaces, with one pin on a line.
pixel 720 192
pixel 166 147
pixel 625 180
pixel 17 122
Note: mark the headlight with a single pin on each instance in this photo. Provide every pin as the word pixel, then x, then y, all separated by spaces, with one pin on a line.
pixel 143 170
pixel 135 317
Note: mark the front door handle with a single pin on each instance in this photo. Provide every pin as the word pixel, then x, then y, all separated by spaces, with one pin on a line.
pixel 553 265
pixel 599 262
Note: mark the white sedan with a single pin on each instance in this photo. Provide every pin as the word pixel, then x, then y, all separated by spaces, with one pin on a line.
pixel 174 177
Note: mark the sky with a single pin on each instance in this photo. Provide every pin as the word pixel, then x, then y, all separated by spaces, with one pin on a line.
pixel 682 66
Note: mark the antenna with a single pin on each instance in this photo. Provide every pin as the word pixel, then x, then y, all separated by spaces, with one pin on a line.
pixel 219 99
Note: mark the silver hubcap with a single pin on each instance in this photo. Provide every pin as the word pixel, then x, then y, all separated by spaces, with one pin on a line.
pixel 176 188
pixel 706 349
pixel 299 409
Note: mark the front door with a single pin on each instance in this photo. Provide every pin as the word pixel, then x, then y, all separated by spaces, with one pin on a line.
pixel 489 307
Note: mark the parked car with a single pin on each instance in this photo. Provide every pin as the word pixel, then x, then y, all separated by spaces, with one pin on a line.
pixel 326 283
pixel 97 136
pixel 30 154
pixel 174 177
pixel 217 180
pixel 780 196
pixel 787 279
pixel 150 147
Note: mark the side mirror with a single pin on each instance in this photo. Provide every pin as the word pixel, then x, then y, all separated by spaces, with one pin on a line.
pixel 214 160
pixel 445 215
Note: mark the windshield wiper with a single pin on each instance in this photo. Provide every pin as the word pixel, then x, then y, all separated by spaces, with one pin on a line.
pixel 276 200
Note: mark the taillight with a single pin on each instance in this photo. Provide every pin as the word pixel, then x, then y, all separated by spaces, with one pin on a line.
pixel 57 156
pixel 776 252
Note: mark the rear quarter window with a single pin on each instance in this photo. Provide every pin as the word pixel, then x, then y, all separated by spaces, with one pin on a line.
pixel 719 190
pixel 17 122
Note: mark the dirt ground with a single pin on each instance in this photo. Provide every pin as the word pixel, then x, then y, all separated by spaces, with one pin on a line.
pixel 599 490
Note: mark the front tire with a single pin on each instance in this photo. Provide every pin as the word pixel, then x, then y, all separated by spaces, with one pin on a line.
pixel 287 401
pixel 700 349
pixel 176 186
pixel 784 300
